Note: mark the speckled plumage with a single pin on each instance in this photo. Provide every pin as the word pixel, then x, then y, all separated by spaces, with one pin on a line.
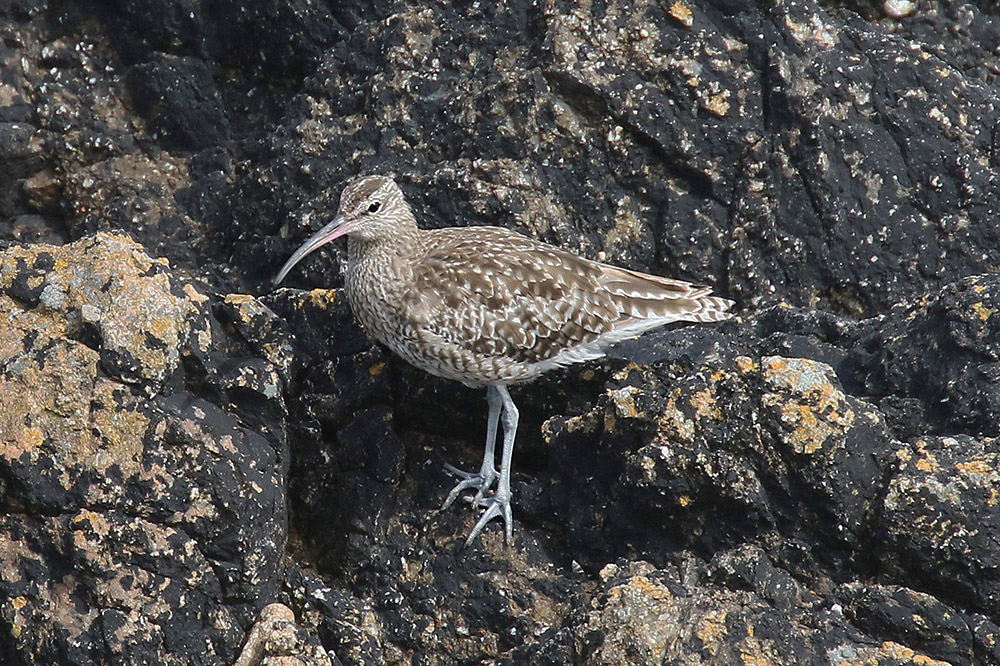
pixel 489 307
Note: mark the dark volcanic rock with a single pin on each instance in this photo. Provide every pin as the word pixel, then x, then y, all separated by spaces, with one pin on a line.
pixel 939 521
pixel 140 519
pixel 919 620
pixel 813 483
pixel 936 365
pixel 703 453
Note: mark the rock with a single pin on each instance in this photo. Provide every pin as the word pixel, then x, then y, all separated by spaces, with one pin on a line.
pixel 811 483
pixel 141 518
pixel 773 440
pixel 935 364
pixel 938 519
pixel 163 91
pixel 916 619
pixel 276 640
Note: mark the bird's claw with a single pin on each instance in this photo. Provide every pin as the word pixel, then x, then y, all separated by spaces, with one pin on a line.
pixel 482 481
pixel 495 506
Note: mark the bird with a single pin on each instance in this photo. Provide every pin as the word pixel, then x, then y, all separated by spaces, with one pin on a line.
pixel 489 307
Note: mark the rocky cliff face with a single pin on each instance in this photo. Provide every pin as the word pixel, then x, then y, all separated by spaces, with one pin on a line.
pixel 181 446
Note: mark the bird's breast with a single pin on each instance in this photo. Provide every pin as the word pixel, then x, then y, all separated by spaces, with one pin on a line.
pixel 373 292
pixel 419 326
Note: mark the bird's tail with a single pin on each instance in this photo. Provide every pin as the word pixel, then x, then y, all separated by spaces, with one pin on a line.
pixel 650 297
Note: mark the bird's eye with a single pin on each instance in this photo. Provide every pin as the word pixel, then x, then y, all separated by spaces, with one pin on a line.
pixel 374 207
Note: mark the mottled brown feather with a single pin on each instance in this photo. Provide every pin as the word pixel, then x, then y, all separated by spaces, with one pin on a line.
pixel 490 291
pixel 486 305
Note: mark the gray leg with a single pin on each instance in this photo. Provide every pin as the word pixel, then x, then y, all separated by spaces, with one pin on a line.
pixel 482 480
pixel 499 504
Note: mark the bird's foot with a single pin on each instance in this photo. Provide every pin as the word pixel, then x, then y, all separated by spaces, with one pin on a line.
pixel 495 506
pixel 482 481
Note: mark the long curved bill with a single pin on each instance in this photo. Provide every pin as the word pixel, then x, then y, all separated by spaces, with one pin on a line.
pixel 335 229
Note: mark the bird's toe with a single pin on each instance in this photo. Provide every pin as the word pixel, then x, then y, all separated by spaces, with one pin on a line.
pixel 495 507
pixel 482 481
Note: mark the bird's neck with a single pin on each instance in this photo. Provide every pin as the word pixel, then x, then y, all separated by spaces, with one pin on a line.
pixel 387 254
pixel 379 271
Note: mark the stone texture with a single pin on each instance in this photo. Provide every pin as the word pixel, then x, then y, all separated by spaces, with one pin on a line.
pixel 940 514
pixel 276 640
pixel 135 500
pixel 811 484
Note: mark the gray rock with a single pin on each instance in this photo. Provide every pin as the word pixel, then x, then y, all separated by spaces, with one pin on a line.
pixel 811 484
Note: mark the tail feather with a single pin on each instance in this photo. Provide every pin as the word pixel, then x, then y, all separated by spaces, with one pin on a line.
pixel 624 282
pixel 643 302
pixel 640 296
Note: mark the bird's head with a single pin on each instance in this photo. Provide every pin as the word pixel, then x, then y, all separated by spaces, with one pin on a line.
pixel 371 208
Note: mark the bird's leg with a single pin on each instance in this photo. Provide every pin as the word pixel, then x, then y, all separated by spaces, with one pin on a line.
pixel 499 504
pixel 483 479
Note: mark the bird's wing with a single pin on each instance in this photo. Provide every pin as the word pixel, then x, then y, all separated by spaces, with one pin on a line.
pixel 494 292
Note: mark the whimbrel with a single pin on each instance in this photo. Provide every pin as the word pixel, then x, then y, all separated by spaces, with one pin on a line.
pixel 489 307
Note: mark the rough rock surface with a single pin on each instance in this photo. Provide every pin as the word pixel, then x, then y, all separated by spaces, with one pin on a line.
pixel 144 502
pixel 182 447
